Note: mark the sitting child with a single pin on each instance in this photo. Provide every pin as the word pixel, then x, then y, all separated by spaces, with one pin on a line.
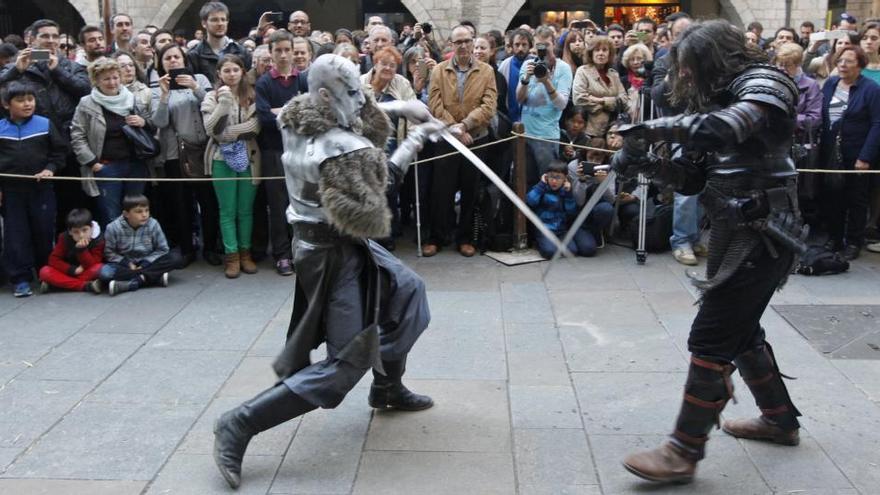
pixel 554 203
pixel 136 250
pixel 75 262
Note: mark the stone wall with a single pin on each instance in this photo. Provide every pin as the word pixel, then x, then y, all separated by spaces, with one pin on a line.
pixel 497 14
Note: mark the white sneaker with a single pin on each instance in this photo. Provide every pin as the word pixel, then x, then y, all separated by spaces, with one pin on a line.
pixel 874 247
pixel 163 281
pixel 685 256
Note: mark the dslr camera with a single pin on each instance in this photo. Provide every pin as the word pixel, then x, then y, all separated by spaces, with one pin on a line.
pixel 541 69
pixel 427 28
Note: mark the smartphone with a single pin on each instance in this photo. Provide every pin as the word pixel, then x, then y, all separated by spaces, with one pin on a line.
pixel 580 25
pixel 173 73
pixel 828 35
pixel 641 36
pixel 421 66
pixel 277 19
pixel 39 55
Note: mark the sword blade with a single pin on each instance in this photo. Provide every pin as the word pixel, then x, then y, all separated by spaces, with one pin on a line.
pixel 585 212
pixel 520 205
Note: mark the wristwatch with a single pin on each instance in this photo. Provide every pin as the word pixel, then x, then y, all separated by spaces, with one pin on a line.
pixel 524 81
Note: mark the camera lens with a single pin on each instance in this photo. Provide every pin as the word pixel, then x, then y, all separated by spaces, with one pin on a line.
pixel 540 70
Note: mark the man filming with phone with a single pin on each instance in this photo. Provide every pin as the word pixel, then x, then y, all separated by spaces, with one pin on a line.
pixel 642 32
pixel 543 92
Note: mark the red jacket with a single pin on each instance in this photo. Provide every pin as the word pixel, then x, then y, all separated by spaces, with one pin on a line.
pixel 66 257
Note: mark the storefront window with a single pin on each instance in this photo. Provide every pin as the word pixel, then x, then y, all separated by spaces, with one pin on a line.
pixel 562 18
pixel 627 12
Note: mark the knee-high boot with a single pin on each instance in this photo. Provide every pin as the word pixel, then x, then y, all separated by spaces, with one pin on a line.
pixel 235 428
pixel 388 391
pixel 778 421
pixel 707 390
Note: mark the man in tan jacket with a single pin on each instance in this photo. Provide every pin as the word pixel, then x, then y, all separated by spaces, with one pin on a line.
pixel 463 95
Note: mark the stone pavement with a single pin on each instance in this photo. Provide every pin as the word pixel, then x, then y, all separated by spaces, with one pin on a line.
pixel 541 388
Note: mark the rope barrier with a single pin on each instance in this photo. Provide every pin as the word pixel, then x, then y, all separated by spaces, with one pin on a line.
pixel 514 135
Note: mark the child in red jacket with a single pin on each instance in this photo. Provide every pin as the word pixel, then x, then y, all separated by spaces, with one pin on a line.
pixel 77 257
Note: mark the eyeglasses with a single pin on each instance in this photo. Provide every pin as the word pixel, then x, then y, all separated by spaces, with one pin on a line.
pixel 65 46
pixel 299 22
pixel 126 66
pixel 463 42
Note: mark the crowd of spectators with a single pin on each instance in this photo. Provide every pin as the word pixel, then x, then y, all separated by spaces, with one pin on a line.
pixel 211 104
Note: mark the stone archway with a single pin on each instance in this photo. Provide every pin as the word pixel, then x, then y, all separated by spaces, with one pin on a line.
pixel 497 15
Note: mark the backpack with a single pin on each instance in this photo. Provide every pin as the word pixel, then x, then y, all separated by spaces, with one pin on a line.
pixel 658 228
pixel 493 221
pixel 819 261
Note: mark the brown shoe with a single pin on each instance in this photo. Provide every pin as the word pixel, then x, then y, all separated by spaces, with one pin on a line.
pixel 665 464
pixel 467 250
pixel 247 262
pixel 233 265
pixel 760 429
pixel 429 250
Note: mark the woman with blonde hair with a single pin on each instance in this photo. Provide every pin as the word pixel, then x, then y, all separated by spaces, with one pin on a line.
pixel 99 142
pixel 597 87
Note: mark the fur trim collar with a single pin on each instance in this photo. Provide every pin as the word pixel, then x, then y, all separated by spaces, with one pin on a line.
pixel 310 118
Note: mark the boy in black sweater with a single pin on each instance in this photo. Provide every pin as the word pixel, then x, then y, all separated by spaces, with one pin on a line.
pixel 29 145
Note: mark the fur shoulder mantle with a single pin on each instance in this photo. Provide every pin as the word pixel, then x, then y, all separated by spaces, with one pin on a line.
pixel 308 118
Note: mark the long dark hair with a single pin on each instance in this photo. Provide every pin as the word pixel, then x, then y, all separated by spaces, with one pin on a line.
pixel 160 69
pixel 704 60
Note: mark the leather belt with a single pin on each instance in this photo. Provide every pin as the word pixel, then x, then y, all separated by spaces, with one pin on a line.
pixel 318 233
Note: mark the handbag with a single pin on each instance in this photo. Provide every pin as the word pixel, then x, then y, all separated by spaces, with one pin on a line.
pixel 145 145
pixel 806 155
pixel 235 154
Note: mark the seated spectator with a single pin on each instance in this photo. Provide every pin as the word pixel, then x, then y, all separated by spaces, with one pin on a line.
pixel 99 142
pixel 78 256
pixel 29 145
pixel 554 203
pixel 585 177
pixel 135 249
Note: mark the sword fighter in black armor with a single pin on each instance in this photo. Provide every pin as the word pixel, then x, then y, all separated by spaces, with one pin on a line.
pixel 735 150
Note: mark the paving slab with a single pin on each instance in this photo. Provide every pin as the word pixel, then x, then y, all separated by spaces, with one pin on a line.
pixel 326 450
pixel 89 357
pixel 271 341
pixel 630 403
pixel 468 416
pixel 591 348
pixel 863 374
pixel 542 406
pixel 534 355
pixel 842 331
pixel 147 310
pixel 7 454
pixel 71 487
pixel 100 441
pixel 431 473
pixel 168 376
pixel 252 375
pixel 29 408
pixel 526 489
pixel 462 350
pixel 788 469
pixel 726 469
pixel 195 474
pixel 526 303
pixel 553 461
pixel 462 307
pixel 18 354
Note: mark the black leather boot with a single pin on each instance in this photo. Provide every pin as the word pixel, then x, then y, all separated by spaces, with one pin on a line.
pixel 235 428
pixel 388 392
pixel 707 390
pixel 778 421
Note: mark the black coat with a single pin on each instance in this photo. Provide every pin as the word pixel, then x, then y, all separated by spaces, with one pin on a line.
pixel 204 61
pixel 58 91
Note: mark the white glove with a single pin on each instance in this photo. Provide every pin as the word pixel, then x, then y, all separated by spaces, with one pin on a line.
pixel 414 142
pixel 412 110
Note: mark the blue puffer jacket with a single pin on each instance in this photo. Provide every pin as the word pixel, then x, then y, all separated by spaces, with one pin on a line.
pixel 554 208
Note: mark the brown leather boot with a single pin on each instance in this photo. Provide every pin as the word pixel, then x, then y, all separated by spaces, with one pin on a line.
pixel 233 265
pixel 247 262
pixel 778 421
pixel 668 463
pixel 761 429
pixel 706 392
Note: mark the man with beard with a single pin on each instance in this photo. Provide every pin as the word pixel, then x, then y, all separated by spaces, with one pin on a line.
pixel 350 293
pixel 737 140
pixel 521 42
pixel 204 57
pixel 301 27
pixel 92 40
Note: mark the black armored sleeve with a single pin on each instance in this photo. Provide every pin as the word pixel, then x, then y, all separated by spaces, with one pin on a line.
pixel 755 93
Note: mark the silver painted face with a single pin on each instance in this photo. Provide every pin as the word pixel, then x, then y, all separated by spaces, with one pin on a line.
pixel 340 78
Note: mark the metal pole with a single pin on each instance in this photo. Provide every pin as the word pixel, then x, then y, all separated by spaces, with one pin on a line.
pixel 104 6
pixel 641 253
pixel 520 235
pixel 418 212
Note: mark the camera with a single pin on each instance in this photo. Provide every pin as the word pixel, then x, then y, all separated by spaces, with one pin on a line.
pixel 39 55
pixel 541 69
pixel 426 27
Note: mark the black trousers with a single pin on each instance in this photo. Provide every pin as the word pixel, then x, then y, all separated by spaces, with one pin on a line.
pixel 277 199
pixel 728 322
pixel 175 206
pixel 847 210
pixel 452 174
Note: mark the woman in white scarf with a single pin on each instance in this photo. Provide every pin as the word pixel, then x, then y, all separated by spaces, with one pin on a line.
pixel 99 142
